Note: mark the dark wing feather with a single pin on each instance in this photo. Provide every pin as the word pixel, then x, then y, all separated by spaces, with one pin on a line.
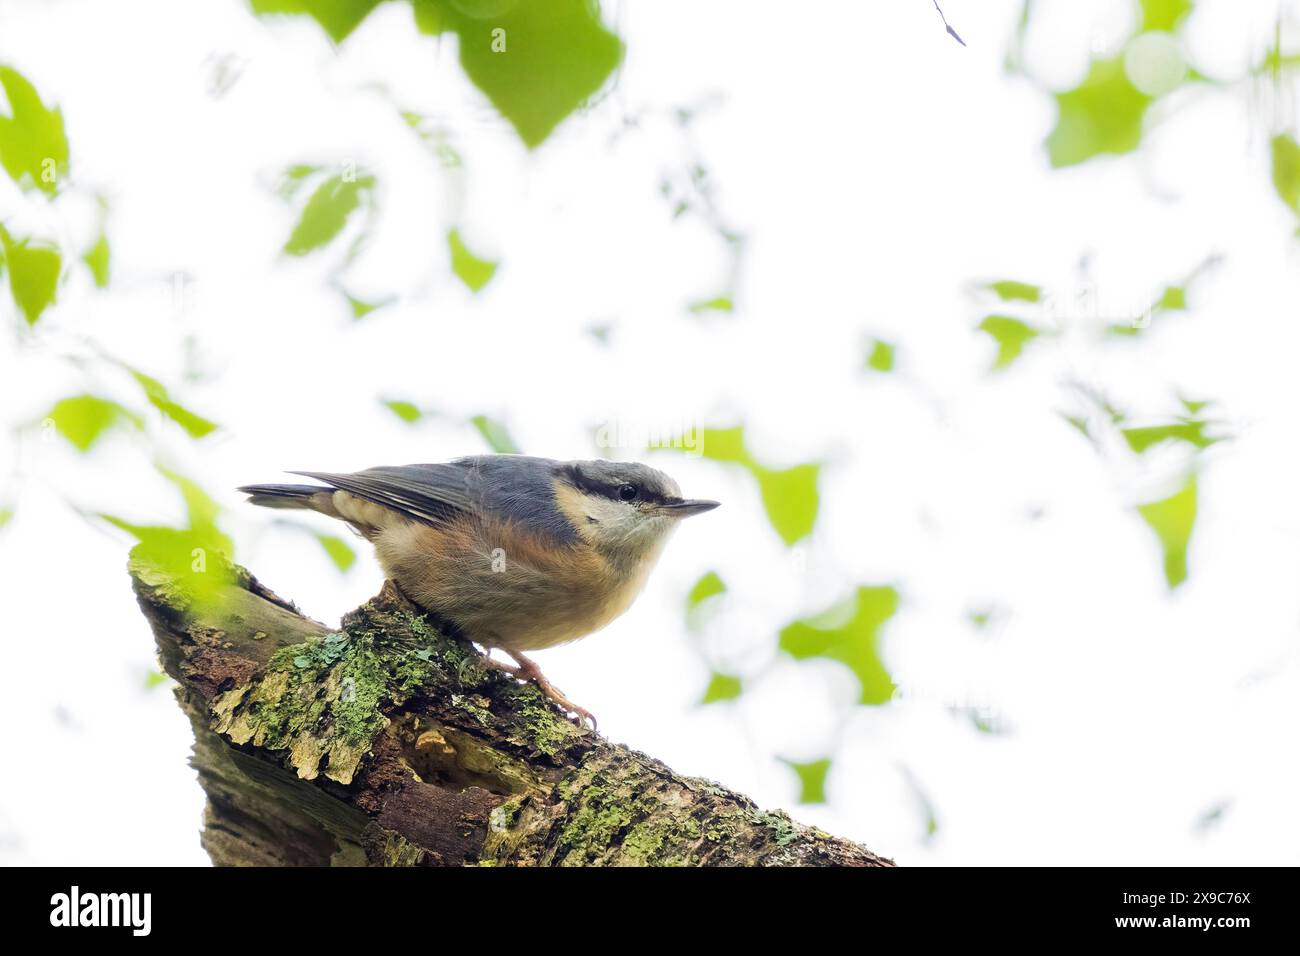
pixel 433 494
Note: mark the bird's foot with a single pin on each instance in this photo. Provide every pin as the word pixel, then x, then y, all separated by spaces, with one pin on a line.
pixel 527 670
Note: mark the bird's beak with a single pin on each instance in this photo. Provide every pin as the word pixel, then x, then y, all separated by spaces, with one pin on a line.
pixel 684 507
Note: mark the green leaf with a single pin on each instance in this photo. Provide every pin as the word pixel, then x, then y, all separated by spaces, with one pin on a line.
pixel 361 308
pixel 83 419
pixel 699 606
pixel 1191 431
pixel 1011 335
pixel 337 17
pixel 790 496
pixel 720 303
pixel 339 551
pixel 473 271
pixel 791 499
pixel 881 356
pixel 849 633
pixel 327 212
pixel 195 557
pixel 293 177
pixel 495 434
pixel 6 515
pixel 1286 170
pixel 406 411
pixel 812 779
pixel 34 269
pixel 96 259
pixel 1102 115
pixel 1164 14
pixel 1173 299
pixel 1172 519
pixel 196 426
pixel 33 145
pixel 154 679
pixel 200 507
pixel 1008 290
pixel 722 687
pixel 722 444
pixel 709 585
pixel 556 55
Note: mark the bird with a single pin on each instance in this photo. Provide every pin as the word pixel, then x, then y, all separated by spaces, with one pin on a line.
pixel 514 552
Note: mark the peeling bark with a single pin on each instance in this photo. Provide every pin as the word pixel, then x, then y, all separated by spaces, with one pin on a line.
pixel 388 743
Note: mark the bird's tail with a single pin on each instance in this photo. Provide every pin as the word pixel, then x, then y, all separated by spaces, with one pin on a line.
pixel 310 497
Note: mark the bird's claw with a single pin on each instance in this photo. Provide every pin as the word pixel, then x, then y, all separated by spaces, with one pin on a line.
pixel 529 671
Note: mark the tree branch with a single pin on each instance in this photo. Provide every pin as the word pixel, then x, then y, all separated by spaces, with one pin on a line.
pixel 388 743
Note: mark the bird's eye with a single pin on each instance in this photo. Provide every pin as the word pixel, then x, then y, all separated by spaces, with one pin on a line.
pixel 627 492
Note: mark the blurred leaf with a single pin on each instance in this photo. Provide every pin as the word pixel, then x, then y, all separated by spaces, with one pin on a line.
pixel 1172 520
pixel 556 55
pixel 473 271
pixel 327 212
pixel 339 551
pixel 428 16
pixel 791 499
pixel 724 444
pixel 196 426
pixel 33 146
pixel 1011 335
pixel 853 641
pixel 200 507
pixel 96 259
pixel 699 607
pixel 923 802
pixel 293 177
pixel 1080 424
pixel 709 585
pixel 1191 431
pixel 812 779
pixel 1286 170
pixel 1008 290
pixel 196 557
pixel 191 558
pixel 1102 115
pixel 338 17
pixel 82 419
pixel 1164 14
pixel 495 434
pixel 1211 817
pixel 154 679
pixel 34 269
pixel 721 303
pixel 881 357
pixel 1174 298
pixel 361 308
pixel 790 496
pixel 6 515
pixel 722 687
pixel 406 411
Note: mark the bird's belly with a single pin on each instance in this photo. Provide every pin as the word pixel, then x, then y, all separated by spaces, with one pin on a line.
pixel 515 598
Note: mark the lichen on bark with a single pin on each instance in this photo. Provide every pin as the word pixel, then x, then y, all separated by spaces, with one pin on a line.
pixel 387 742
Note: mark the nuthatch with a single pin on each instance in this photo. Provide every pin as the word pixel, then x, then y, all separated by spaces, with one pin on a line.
pixel 515 552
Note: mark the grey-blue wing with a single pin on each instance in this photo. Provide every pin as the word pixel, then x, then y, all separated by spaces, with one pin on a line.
pixel 434 494
pixel 514 488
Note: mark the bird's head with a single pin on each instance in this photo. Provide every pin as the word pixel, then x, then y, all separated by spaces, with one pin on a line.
pixel 624 509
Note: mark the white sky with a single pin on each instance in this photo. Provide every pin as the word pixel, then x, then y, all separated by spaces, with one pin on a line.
pixel 878 170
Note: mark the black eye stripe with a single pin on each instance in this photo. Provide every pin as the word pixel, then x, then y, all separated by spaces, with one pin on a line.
pixel 611 489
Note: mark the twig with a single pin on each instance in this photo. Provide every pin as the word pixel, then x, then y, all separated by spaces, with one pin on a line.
pixel 951 32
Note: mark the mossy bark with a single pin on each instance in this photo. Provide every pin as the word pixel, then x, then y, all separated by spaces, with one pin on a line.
pixel 388 743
